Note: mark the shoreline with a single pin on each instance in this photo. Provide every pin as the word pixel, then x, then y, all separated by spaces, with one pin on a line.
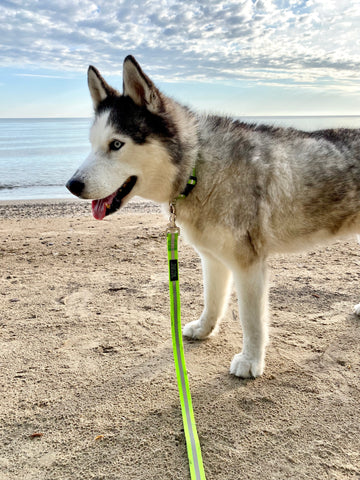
pixel 65 207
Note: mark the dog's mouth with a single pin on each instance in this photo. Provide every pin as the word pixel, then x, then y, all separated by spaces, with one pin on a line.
pixel 105 206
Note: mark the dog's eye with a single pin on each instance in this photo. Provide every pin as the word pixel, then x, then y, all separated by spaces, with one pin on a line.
pixel 115 145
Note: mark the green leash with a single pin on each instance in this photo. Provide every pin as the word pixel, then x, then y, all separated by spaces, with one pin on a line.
pixel 192 441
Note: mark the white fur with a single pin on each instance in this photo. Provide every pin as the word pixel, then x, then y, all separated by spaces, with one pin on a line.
pixel 357 309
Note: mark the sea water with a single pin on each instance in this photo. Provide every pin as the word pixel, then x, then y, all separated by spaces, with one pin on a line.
pixel 38 156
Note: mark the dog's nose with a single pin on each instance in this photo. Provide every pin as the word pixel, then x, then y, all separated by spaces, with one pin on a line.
pixel 75 187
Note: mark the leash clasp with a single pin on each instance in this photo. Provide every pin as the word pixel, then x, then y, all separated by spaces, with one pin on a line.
pixel 171 226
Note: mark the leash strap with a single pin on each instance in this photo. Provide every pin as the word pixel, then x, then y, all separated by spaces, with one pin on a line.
pixel 191 436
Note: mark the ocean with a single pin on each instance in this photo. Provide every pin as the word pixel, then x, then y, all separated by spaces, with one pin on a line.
pixel 38 156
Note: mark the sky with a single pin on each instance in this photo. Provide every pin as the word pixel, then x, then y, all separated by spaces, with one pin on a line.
pixel 237 57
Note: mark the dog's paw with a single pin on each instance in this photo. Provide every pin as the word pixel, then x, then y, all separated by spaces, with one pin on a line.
pixel 196 330
pixel 357 309
pixel 245 367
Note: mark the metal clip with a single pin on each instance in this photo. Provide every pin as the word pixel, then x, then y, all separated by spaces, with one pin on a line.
pixel 171 226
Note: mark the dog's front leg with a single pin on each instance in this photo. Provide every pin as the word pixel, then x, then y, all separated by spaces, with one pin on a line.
pixel 217 287
pixel 252 290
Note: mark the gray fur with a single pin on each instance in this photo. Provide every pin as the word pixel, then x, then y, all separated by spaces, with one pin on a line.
pixel 276 185
pixel 261 190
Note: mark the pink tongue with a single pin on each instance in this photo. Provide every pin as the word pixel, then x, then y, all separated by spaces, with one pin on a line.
pixel 99 206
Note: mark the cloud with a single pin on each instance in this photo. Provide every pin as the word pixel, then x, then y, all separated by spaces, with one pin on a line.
pixel 177 41
pixel 265 5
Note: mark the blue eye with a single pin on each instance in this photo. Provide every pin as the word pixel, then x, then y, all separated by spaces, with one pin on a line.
pixel 115 145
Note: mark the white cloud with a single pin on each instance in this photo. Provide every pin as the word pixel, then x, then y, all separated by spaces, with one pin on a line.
pixel 224 40
pixel 266 5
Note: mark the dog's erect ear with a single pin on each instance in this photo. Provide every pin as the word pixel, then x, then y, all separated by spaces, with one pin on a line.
pixel 99 89
pixel 139 87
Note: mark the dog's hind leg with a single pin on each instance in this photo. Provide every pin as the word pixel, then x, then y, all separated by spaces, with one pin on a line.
pixel 217 287
pixel 252 289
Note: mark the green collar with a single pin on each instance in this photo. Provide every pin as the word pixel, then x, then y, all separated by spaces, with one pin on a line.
pixel 189 186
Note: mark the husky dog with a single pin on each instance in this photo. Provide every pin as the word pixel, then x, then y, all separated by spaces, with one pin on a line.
pixel 260 190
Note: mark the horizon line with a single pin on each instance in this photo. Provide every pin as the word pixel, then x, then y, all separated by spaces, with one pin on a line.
pixel 235 116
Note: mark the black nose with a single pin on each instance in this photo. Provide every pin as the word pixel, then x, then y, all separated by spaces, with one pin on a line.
pixel 75 187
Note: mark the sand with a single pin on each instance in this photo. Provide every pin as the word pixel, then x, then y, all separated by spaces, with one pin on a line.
pixel 87 382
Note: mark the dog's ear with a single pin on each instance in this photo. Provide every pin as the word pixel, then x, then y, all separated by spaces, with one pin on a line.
pixel 139 87
pixel 99 89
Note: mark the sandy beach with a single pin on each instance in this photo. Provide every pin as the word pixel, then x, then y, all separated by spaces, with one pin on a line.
pixel 87 382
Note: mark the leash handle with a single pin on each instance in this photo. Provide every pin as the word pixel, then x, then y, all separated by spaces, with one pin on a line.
pixel 192 441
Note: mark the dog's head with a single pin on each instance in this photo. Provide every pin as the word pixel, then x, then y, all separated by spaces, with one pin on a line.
pixel 133 141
